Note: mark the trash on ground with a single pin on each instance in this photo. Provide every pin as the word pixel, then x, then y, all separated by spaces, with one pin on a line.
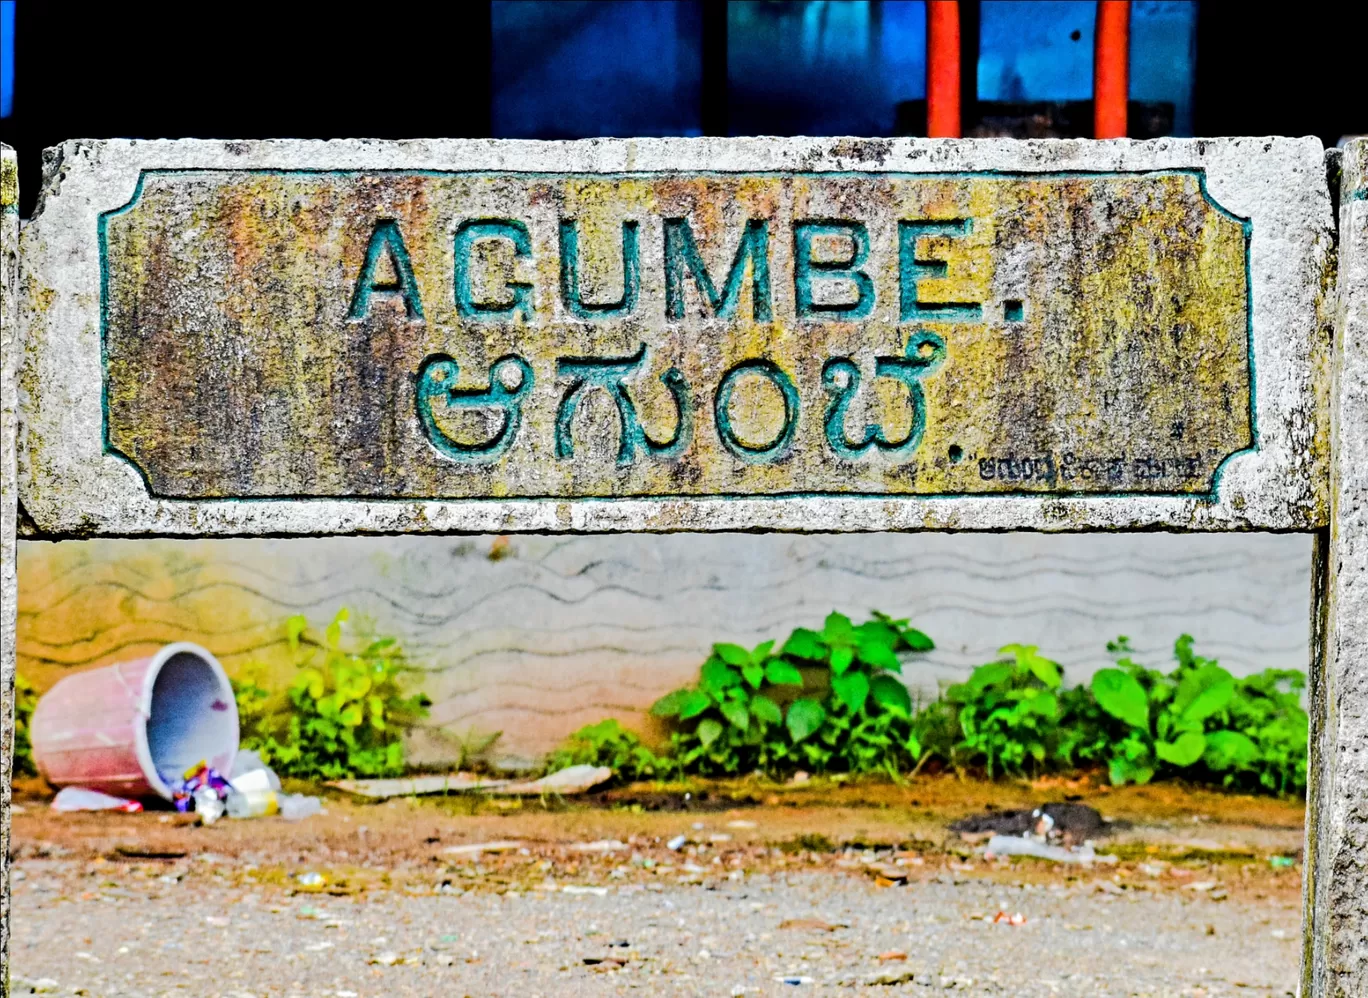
pixel 891 955
pixel 792 979
pixel 1282 862
pixel 811 925
pixel 418 786
pixel 254 780
pixel 253 803
pixel 677 843
pixel 1011 845
pixel 123 729
pixel 602 845
pixel 571 780
pixel 297 807
pixel 200 776
pixel 1016 919
pixel 248 761
pixel 475 848
pixel 311 879
pixel 81 799
pixel 1061 823
pixel 208 805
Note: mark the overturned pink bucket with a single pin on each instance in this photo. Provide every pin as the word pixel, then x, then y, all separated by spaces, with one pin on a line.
pixel 127 729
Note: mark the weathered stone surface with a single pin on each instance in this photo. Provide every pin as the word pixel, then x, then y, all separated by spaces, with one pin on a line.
pixel 1003 334
pixel 9 496
pixel 520 336
pixel 1336 917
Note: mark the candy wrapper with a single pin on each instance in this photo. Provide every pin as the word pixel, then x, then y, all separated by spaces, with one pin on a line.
pixel 196 782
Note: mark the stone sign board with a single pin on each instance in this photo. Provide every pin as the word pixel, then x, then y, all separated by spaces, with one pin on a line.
pixel 675 334
pixel 285 337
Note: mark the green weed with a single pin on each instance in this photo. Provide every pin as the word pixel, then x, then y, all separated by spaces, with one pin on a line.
pixel 344 715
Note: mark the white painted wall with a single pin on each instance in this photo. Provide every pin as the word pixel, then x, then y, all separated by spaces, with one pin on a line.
pixel 563 631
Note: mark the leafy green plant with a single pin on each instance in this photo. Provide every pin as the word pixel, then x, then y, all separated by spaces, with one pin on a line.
pixel 1199 718
pixel 344 715
pixel 608 743
pixel 1164 716
pixel 25 699
pixel 1008 712
pixel 824 700
pixel 1267 709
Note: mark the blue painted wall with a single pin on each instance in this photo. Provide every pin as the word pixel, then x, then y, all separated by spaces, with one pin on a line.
pixel 583 68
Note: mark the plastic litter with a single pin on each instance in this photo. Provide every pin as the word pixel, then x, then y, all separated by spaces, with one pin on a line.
pixel 449 784
pixel 571 780
pixel 248 761
pixel 258 778
pixel 677 843
pixel 200 776
pixel 601 845
pixel 208 805
pixel 81 799
pixel 252 803
pixel 1013 845
pixel 297 807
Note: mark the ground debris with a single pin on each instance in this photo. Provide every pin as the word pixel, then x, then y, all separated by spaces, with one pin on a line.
pixel 1064 822
pixel 811 925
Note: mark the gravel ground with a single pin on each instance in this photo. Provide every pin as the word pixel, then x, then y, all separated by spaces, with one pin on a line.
pixel 188 930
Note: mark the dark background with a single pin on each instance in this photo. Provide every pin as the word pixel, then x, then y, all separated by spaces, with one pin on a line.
pixel 398 71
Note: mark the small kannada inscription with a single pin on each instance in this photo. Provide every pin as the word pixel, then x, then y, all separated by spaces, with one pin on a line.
pixel 478 335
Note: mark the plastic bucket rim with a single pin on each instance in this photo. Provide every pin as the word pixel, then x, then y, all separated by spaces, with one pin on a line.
pixel 141 749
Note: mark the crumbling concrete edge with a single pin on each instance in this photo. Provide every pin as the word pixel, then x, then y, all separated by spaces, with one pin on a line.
pixel 9 510
pixel 1335 917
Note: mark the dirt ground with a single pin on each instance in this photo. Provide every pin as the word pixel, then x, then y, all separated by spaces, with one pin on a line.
pixel 847 885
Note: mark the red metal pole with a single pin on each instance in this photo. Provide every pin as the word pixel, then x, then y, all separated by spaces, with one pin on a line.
pixel 942 69
pixel 1111 69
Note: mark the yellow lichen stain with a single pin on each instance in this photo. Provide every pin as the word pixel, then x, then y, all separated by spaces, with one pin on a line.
pixel 9 180
pixel 84 604
pixel 1108 353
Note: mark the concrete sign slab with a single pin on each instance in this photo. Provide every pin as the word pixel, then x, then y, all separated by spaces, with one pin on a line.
pixel 302 337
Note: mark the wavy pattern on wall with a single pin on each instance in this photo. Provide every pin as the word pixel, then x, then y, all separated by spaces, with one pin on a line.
pixel 555 632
